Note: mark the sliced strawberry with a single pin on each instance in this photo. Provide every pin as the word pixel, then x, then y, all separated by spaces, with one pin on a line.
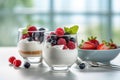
pixel 87 45
pixel 94 40
pixel 103 47
pixel 30 29
pixel 112 45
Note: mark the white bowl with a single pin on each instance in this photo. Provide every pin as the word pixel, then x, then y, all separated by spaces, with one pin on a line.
pixel 103 56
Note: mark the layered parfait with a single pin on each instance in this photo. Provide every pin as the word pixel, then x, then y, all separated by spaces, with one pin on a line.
pixel 31 41
pixel 60 48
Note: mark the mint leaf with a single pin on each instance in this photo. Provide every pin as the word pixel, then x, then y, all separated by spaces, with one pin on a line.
pixel 67 30
pixel 24 31
pixel 71 30
pixel 74 29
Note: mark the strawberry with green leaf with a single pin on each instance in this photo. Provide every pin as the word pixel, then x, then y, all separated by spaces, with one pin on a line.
pixel 94 41
pixel 87 45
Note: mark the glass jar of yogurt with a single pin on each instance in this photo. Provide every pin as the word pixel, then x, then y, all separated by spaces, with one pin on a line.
pixel 60 52
pixel 30 44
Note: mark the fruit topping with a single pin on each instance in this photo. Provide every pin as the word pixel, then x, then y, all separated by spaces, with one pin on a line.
pixel 61 41
pixel 24 36
pixel 59 32
pixel 30 38
pixel 72 39
pixel 31 29
pixel 71 45
pixel 41 29
pixel 71 30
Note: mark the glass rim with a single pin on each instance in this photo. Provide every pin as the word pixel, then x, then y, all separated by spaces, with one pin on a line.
pixel 46 29
pixel 48 33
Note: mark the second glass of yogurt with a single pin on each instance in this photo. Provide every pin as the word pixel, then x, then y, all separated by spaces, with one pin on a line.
pixel 60 50
pixel 30 44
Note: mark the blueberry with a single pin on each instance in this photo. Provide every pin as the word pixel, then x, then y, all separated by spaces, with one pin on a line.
pixel 41 33
pixel 35 36
pixel 49 40
pixel 67 38
pixel 72 39
pixel 41 38
pixel 82 66
pixel 27 65
pixel 54 37
pixel 30 39
pixel 53 42
pixel 41 29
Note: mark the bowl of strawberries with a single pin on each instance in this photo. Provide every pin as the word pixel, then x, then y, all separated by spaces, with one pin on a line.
pixel 96 51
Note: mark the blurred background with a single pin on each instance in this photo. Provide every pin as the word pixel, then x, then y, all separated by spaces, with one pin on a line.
pixel 99 18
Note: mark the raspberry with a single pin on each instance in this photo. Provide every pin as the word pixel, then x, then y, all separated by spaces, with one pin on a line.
pixel 52 33
pixel 61 41
pixel 17 63
pixel 65 47
pixel 30 29
pixel 59 32
pixel 24 36
pixel 71 45
pixel 11 59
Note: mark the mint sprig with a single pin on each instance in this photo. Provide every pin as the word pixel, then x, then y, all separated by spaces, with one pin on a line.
pixel 71 30
pixel 25 30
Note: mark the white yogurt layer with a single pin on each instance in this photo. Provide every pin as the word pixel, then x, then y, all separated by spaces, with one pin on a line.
pixel 59 57
pixel 25 45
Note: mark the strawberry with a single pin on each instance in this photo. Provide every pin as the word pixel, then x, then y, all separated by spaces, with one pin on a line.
pixel 31 29
pixel 103 47
pixel 87 45
pixel 94 40
pixel 106 45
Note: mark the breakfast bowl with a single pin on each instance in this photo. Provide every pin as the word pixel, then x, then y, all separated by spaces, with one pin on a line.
pixel 103 56
pixel 94 50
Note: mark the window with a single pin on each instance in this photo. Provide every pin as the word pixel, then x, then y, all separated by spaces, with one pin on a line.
pixel 100 18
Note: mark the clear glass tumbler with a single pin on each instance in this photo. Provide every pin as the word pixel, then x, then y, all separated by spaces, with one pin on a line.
pixel 60 53
pixel 30 45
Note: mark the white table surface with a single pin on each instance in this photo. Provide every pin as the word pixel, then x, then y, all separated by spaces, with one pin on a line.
pixel 42 71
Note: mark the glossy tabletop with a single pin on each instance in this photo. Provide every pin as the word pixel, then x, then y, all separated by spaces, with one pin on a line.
pixel 42 71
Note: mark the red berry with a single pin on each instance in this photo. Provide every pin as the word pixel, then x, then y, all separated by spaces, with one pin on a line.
pixel 52 33
pixel 17 63
pixel 93 40
pixel 88 45
pixel 30 29
pixel 65 47
pixel 59 32
pixel 24 36
pixel 61 41
pixel 11 59
pixel 103 47
pixel 71 45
